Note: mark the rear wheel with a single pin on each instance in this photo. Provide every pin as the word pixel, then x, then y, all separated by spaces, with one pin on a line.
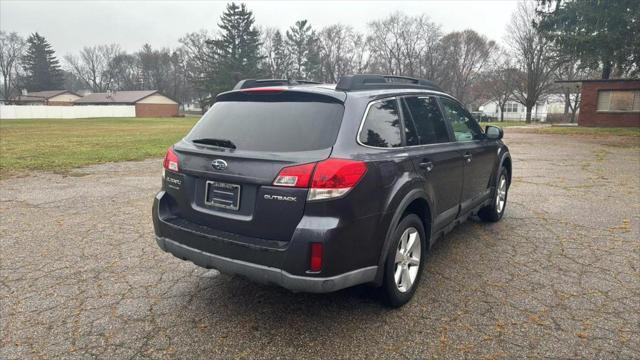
pixel 494 211
pixel 405 261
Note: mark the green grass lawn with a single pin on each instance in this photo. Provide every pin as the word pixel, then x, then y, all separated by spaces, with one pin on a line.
pixel 504 124
pixel 59 145
pixel 592 131
pixel 567 130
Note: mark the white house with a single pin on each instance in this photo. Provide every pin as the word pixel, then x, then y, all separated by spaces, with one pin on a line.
pixel 192 106
pixel 552 104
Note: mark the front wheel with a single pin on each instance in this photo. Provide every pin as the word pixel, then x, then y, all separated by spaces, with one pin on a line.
pixel 494 211
pixel 405 261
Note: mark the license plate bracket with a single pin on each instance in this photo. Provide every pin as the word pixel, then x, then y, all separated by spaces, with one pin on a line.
pixel 222 195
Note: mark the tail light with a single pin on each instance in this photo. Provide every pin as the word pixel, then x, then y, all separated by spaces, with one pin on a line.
pixel 315 260
pixel 171 161
pixel 295 176
pixel 335 177
pixel 327 179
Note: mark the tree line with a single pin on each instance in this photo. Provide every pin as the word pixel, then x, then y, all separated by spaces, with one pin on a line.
pixel 547 41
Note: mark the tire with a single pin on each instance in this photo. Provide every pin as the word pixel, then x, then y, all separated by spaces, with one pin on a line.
pixel 402 272
pixel 494 211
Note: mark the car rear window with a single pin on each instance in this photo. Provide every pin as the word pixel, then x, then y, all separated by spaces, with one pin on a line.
pixel 271 126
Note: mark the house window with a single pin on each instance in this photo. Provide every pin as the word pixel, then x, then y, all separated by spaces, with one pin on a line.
pixel 511 107
pixel 619 100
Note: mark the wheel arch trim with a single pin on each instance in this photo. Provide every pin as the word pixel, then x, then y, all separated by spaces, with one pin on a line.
pixel 412 195
pixel 504 158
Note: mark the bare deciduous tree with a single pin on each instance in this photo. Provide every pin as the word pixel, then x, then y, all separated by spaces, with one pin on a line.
pixel 124 72
pixel 403 45
pixel 200 61
pixel 179 87
pixel 571 70
pixel 267 50
pixel 92 66
pixel 154 65
pixel 361 56
pixel 533 55
pixel 342 52
pixel 430 61
pixel 414 46
pixel 277 60
pixel 334 45
pixel 12 48
pixel 499 82
pixel 199 64
pixel 464 54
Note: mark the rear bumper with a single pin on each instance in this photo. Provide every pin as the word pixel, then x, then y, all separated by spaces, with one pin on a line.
pixel 268 275
pixel 273 262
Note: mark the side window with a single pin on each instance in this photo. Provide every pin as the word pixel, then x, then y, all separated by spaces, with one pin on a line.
pixel 464 127
pixel 429 123
pixel 382 126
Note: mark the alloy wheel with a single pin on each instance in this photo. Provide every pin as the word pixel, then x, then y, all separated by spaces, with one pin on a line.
pixel 501 194
pixel 407 261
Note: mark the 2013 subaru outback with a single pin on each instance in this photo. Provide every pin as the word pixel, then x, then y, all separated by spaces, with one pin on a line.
pixel 320 187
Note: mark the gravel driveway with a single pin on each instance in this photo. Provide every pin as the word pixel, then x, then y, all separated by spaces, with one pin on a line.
pixel 559 276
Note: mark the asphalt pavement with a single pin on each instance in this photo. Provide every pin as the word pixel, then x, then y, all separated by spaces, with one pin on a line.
pixel 81 275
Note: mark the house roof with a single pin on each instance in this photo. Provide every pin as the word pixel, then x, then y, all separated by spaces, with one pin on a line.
pixel 116 97
pixel 41 95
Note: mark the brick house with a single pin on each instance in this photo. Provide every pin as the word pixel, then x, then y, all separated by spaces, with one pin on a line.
pixel 49 97
pixel 148 103
pixel 610 103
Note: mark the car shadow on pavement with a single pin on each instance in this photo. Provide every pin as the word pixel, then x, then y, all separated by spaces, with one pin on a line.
pixel 264 308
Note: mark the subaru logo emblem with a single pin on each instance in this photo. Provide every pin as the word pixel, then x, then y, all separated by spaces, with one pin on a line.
pixel 219 164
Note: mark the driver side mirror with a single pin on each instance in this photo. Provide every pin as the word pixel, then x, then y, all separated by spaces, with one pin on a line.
pixel 493 132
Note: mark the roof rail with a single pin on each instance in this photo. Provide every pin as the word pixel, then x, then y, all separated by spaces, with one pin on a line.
pixel 373 82
pixel 253 83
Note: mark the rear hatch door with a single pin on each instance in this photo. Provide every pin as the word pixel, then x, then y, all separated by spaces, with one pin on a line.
pixel 231 157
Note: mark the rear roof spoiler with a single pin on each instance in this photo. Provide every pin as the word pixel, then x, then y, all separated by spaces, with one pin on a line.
pixel 374 82
pixel 253 83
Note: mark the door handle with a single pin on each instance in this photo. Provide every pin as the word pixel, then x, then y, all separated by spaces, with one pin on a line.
pixel 467 157
pixel 427 165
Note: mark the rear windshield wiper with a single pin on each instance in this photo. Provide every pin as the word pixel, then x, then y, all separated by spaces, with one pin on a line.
pixel 216 142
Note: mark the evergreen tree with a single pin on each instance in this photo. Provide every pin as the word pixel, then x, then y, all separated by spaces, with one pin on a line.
pixel 302 43
pixel 42 70
pixel 281 59
pixel 601 34
pixel 236 51
pixel 313 62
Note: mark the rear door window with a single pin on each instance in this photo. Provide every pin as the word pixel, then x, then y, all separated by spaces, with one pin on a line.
pixel 382 125
pixel 428 120
pixel 271 126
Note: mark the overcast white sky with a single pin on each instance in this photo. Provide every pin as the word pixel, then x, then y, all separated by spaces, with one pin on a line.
pixel 70 25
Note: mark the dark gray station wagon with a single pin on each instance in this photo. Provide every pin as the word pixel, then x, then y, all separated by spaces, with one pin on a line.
pixel 320 187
